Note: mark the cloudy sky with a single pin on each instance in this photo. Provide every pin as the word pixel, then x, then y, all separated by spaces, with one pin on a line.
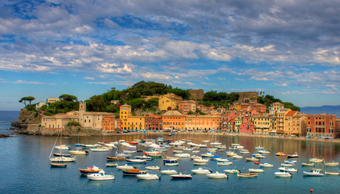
pixel 289 49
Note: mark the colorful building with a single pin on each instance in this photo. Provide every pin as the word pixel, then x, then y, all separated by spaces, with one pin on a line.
pixel 247 126
pixel 186 106
pixel 109 123
pixel 225 121
pixel 153 122
pixel 275 107
pixel 264 123
pixel 168 101
pixel 173 120
pixel 238 122
pixel 295 123
pixel 202 122
pixel 280 114
pixel 321 125
pixel 261 108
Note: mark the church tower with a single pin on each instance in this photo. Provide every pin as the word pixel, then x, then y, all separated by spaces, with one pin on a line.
pixel 82 110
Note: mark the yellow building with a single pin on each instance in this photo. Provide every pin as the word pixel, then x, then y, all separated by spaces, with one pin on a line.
pixel 238 122
pixel 264 123
pixel 202 122
pixel 125 111
pixel 146 98
pixel 275 107
pixel 129 122
pixel 280 114
pixel 237 106
pixel 295 123
pixel 52 100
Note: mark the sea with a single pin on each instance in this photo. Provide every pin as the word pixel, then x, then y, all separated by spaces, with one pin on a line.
pixel 25 166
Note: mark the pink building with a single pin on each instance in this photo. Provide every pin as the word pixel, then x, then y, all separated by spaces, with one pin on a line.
pixel 226 121
pixel 261 108
pixel 247 126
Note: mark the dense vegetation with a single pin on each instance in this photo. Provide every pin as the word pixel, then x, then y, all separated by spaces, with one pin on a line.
pixel 268 99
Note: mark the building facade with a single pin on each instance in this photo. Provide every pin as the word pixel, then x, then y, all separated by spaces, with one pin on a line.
pixel 109 123
pixel 245 97
pixel 153 122
pixel 321 125
pixel 186 106
pixel 202 122
pixel 275 107
pixel 295 123
pixel 52 100
pixel 173 120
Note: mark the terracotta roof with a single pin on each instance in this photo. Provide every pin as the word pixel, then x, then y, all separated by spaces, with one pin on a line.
pixel 291 113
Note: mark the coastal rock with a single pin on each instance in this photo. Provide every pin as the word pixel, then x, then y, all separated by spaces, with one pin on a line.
pixel 4 135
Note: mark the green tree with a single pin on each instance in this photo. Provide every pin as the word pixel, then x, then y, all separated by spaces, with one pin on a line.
pixel 210 96
pixel 137 103
pixel 68 97
pixel 191 113
pixel 73 123
pixel 95 103
pixel 179 92
pixel 151 102
pixel 206 103
pixel 27 98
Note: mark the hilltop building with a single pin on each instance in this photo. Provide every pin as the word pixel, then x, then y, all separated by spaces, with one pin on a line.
pixel 197 94
pixel 246 97
pixel 52 100
pixel 186 106
pixel 169 101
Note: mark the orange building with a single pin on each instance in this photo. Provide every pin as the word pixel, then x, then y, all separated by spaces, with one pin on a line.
pixel 186 106
pixel 108 123
pixel 321 125
pixel 173 120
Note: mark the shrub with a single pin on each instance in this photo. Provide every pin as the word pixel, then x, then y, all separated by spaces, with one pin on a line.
pixel 73 123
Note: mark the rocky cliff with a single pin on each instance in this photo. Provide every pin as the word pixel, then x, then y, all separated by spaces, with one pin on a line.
pixel 25 118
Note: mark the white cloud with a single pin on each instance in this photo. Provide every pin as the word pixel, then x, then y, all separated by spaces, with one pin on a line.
pixel 238 79
pixel 282 85
pixel 208 84
pixel 113 68
pixel 188 83
pixel 110 23
pixel 90 78
pixel 159 76
pixel 221 78
pixel 31 82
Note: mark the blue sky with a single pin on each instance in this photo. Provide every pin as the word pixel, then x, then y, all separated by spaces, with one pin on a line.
pixel 289 49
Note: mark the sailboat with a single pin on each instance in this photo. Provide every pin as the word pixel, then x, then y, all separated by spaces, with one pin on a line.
pixel 78 145
pixel 61 158
pixel 216 143
pixel 315 160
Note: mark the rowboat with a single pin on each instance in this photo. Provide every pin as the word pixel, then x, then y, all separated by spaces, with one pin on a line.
pixel 267 165
pixel 283 174
pixel 115 158
pixel 148 176
pixel 100 176
pixel 255 170
pixel 201 160
pixel 181 176
pixel 332 173
pixel 133 172
pixel 313 173
pixel 232 171
pixel 217 175
pixel 111 164
pixel 78 152
pixel 308 164
pixel 252 159
pixel 200 163
pixel 59 165
pixel 152 167
pixel 247 175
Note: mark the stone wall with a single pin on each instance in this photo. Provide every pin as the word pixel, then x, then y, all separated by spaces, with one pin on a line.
pixel 34 129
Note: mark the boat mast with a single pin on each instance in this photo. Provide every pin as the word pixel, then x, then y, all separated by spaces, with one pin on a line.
pixel 54 144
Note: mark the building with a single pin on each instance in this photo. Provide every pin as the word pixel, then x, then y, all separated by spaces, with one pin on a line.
pixel 225 121
pixel 124 111
pixel 275 107
pixel 247 126
pixel 173 120
pixel 202 108
pixel 264 123
pixel 261 108
pixel 114 101
pixel 238 123
pixel 146 98
pixel 245 97
pixel 39 105
pixel 52 100
pixel 202 122
pixel 153 122
pixel 295 123
pixel 321 125
pixel 129 122
pixel 197 94
pixel 109 123
pixel 186 106
pixel 280 114
pixel 169 101
pixel 59 121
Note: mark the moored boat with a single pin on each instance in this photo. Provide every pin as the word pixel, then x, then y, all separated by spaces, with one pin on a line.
pixel 283 174
pixel 247 175
pixel 62 147
pixel 59 155
pixel 100 176
pixel 59 165
pixel 135 161
pixel 201 171
pixel 295 155
pixel 181 176
pixel 115 158
pixel 217 175
pixel 237 157
pixel 200 163
pixel 316 160
pixel 255 170
pixel 313 173
pixel 288 169
pixel 332 173
pixel 63 159
pixel 133 172
pixel 111 164
pixel 287 164
pixel 267 165
pixel 224 163
pixel 152 167
pixel 144 157
pixel 78 152
pixel 169 171
pixel 90 170
pixel 332 163
pixel 280 154
pixel 307 164
pixel 252 159
pixel 125 167
pixel 171 164
pixel 232 171
pixel 148 176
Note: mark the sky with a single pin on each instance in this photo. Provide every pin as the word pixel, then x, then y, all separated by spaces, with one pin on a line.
pixel 288 49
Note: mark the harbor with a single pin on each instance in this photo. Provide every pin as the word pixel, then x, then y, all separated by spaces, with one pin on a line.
pixel 27 163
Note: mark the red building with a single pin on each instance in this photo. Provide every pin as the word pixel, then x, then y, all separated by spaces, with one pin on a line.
pixel 225 121
pixel 321 125
pixel 261 108
pixel 153 122
pixel 247 126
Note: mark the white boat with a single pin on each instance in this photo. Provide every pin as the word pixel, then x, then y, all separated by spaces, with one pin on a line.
pixel 99 149
pixel 136 161
pixel 287 165
pixel 202 145
pixel 233 148
pixel 177 151
pixel 195 157
pixel 63 159
pixel 181 176
pixel 78 152
pixel 62 147
pixel 144 157
pixel 232 171
pixel 288 169
pixel 259 147
pixel 111 164
pixel 201 160
pixel 196 151
pixel 217 175
pixel 213 150
pixel 283 174
pixel 200 163
pixel 332 173
pixel 110 145
pixel 130 151
pixel 121 141
pixel 100 176
pixel 216 143
pixel 188 149
pixel 237 157
pixel 259 156
pixel 230 154
pixel 247 175
pixel 255 170
pixel 205 141
pixel 123 155
pixel 171 164
pixel 224 163
pixel 252 159
pixel 290 161
pixel 169 171
pixel 152 167
pixel 244 152
pixel 148 176
pixel 222 160
pixel 201 171
pixel 332 164
pixel 235 144
pixel 307 164
pixel 207 154
pixel 184 155
pixel 313 173
pixel 239 147
pixel 295 155
pixel 263 152
pixel 316 160
pixel 221 147
pixel 125 167
pixel 266 165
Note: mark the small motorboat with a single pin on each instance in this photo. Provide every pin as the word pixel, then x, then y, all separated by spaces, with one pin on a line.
pixel 332 173
pixel 224 163
pixel 144 157
pixel 195 157
pixel 207 154
pixel 90 170
pixel 63 159
pixel 280 154
pixel 100 149
pixel 86 146
pixel 259 156
pixel 217 175
pixel 111 164
pixel 201 171
pixel 316 160
pixel 78 152
pixel 316 169
pixel 244 152
pixel 290 161
pixel 130 151
pixel 216 158
pixel 148 176
pixel 115 158
pixel 205 141
pixel 287 164
pixel 252 159
pixel 177 151
pixel 169 171
pixel 196 151
pixel 295 155
pixel 247 175
pixel 215 143
pixel 259 147
pixel 202 145
pixel 168 161
pixel 58 165
pixel 332 163
pixel 308 164
pixel 171 164
pixel 201 160
pixel 235 144
pixel 62 147
pixel 200 163
pixel 230 154
pixel 233 148
pixel 232 171
pixel 255 170
pixel 263 152
pixel 181 176
pixel 288 169
pixel 123 154
pixel 257 163
pixel 283 174
pixel 313 173
pixel 136 161
pixel 59 155
pixel 222 160
pixel 100 176
pixel 237 157
pixel 125 167
pixel 266 165
pixel 152 167
pixel 183 155
pixel 133 172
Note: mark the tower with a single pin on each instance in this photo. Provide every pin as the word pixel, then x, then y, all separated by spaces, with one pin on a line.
pixel 82 110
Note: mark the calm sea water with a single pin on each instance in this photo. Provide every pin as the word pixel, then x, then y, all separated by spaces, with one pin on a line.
pixel 5 120
pixel 25 168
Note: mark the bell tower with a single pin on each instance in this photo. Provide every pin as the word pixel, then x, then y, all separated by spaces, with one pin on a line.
pixel 82 110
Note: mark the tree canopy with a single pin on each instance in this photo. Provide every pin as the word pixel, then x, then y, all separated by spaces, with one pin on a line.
pixel 221 96
pixel 95 103
pixel 68 97
pixel 152 102
pixel 180 92
pixel 27 98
